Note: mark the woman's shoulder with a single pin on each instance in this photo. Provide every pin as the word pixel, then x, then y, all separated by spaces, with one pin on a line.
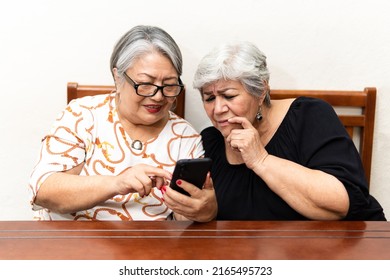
pixel 210 132
pixel 310 113
pixel 310 103
pixel 213 142
pixel 304 107
pixel 302 113
pixel 93 102
pixel 88 110
pixel 211 137
pixel 300 102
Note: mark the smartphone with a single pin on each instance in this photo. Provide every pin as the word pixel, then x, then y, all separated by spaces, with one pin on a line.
pixel 193 171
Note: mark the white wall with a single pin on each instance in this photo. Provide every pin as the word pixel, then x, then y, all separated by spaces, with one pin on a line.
pixel 323 44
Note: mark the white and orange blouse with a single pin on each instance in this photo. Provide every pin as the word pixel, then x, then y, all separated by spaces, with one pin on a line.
pixel 89 131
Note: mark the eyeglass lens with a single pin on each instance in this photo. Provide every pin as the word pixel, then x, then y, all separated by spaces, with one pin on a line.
pixel 168 90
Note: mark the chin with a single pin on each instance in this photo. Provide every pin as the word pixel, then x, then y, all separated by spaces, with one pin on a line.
pixel 225 131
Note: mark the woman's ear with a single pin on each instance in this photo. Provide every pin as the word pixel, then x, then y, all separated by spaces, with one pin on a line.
pixel 117 79
pixel 264 92
pixel 116 76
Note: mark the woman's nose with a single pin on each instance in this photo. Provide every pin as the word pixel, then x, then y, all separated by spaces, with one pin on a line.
pixel 159 95
pixel 220 106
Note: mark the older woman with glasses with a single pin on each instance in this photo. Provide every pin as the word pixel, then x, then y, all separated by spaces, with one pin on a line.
pixel 107 157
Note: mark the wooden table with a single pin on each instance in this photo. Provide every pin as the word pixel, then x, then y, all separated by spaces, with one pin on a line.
pixel 172 240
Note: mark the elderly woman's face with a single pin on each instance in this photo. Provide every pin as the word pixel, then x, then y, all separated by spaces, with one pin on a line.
pixel 152 68
pixel 223 100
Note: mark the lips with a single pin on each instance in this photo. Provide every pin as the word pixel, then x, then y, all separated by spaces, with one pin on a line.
pixel 153 108
pixel 223 123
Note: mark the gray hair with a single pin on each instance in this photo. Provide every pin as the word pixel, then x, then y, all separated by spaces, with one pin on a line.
pixel 141 40
pixel 241 61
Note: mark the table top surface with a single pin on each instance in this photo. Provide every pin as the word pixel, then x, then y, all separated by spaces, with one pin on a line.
pixel 173 240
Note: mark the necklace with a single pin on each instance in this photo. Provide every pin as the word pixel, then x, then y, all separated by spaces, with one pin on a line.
pixel 137 145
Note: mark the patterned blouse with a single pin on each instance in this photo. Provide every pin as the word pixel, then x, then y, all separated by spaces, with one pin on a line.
pixel 89 131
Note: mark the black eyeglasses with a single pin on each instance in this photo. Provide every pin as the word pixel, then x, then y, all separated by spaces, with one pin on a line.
pixel 148 89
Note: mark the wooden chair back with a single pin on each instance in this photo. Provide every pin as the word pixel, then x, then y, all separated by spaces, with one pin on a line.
pixel 359 123
pixel 74 90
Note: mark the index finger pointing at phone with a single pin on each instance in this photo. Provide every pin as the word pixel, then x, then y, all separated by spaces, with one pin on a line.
pixel 152 171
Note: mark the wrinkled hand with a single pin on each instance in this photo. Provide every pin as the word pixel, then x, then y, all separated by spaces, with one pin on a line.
pixel 141 179
pixel 247 142
pixel 201 206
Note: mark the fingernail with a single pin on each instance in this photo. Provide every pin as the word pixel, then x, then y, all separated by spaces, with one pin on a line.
pixel 164 188
pixel 178 182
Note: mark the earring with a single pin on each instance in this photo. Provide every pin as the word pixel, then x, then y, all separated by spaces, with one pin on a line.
pixel 259 115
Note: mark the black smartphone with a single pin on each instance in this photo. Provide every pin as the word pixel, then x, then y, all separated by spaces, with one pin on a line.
pixel 193 171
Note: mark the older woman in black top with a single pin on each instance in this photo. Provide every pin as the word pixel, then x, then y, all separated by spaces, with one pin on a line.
pixel 286 159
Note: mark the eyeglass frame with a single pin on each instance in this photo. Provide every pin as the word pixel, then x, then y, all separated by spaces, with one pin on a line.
pixel 135 86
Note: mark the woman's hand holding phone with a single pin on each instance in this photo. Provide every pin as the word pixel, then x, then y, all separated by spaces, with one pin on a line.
pixel 201 205
pixel 193 171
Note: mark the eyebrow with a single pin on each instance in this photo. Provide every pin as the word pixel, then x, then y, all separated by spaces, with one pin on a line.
pixel 154 78
pixel 222 91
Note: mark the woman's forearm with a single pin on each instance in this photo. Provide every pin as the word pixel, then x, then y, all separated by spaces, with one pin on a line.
pixel 69 193
pixel 313 193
